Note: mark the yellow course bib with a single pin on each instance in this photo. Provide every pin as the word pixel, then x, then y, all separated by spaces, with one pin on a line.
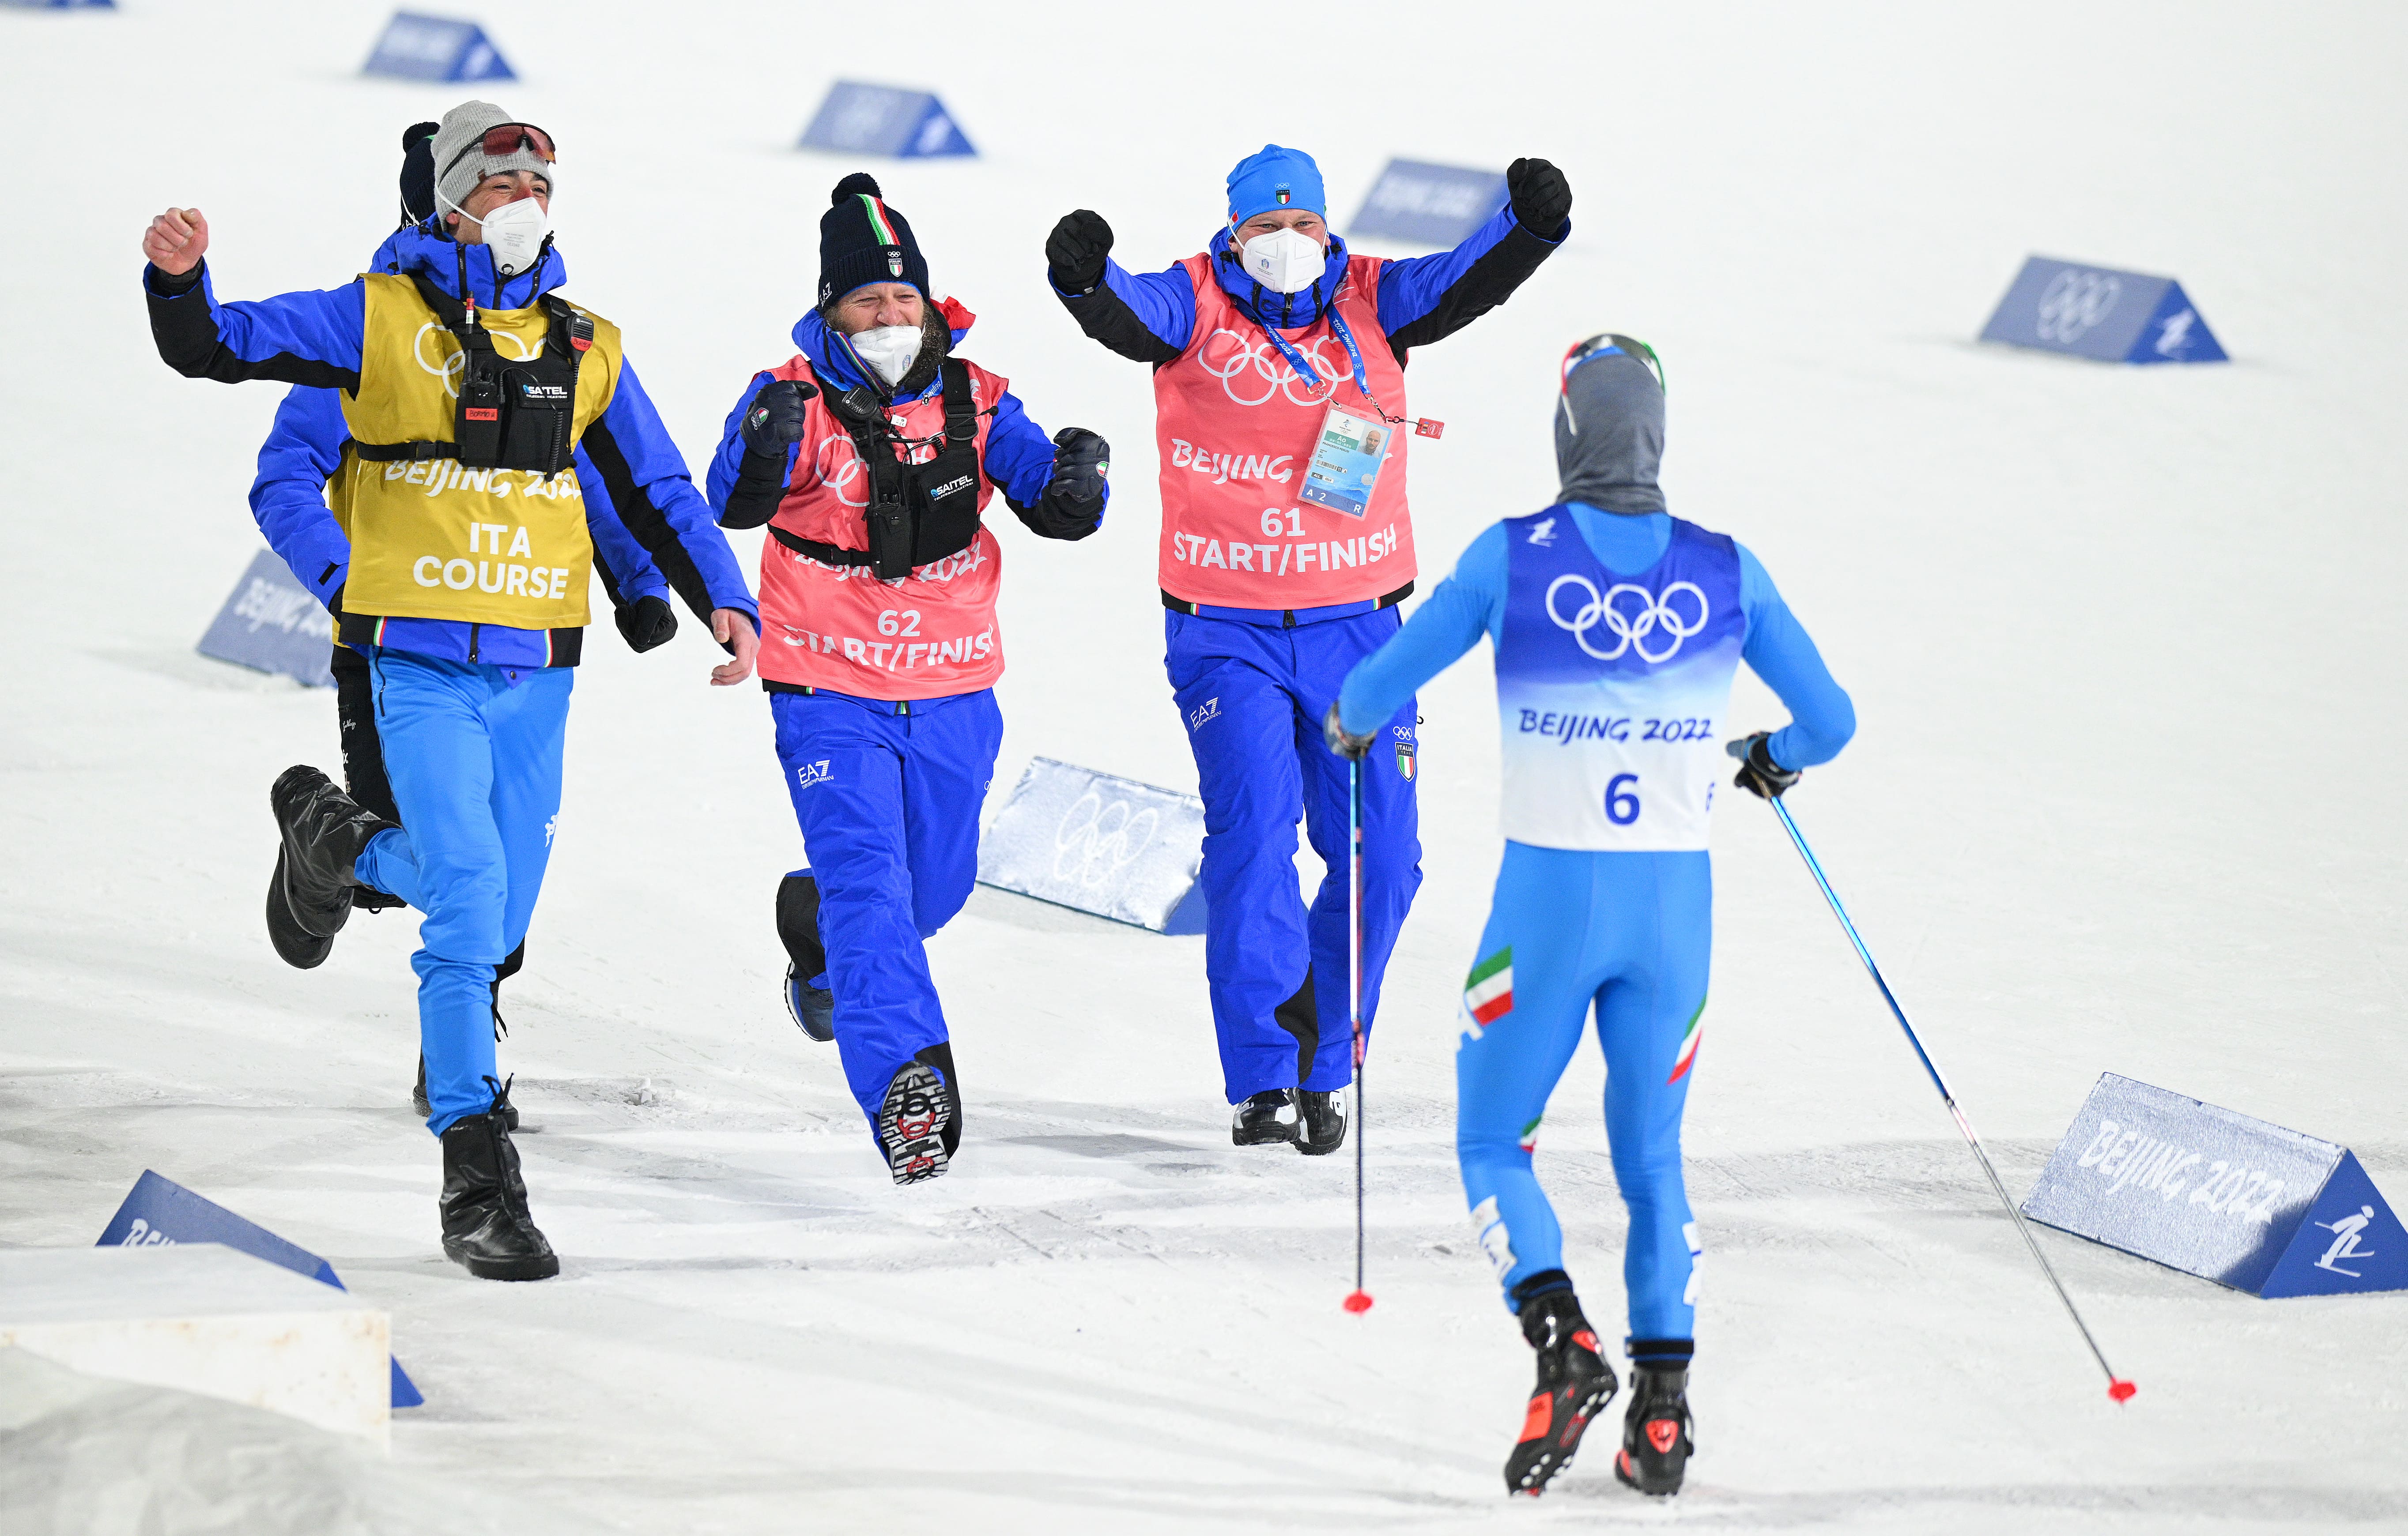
pixel 431 539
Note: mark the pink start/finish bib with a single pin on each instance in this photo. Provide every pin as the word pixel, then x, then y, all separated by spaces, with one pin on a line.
pixel 1239 430
pixel 838 627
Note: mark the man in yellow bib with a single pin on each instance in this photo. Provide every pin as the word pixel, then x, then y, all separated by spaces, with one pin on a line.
pixel 473 394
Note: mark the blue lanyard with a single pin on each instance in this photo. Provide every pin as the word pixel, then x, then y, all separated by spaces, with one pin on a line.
pixel 1354 355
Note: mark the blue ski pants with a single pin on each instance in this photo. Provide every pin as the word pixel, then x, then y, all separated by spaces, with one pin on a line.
pixel 1630 933
pixel 1252 697
pixel 473 752
pixel 888 796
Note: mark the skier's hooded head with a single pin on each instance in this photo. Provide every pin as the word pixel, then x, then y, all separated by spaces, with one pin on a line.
pixel 1609 426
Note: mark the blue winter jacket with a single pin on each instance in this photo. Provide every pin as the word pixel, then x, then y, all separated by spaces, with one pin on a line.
pixel 314 337
pixel 1151 316
pixel 1019 456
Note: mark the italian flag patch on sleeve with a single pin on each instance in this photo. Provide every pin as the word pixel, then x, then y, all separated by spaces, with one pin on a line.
pixel 1488 991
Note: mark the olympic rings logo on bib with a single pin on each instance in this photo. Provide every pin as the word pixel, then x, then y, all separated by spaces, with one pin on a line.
pixel 456 360
pixel 1655 612
pixel 1256 361
pixel 838 465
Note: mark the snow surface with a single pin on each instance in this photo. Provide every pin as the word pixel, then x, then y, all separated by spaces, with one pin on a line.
pixel 2125 643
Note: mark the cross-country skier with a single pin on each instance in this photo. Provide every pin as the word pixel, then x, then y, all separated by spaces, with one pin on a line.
pixel 301 462
pixel 1280 410
pixel 469 387
pixel 871 455
pixel 1617 629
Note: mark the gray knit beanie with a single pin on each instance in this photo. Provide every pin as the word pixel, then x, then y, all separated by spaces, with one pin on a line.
pixel 460 162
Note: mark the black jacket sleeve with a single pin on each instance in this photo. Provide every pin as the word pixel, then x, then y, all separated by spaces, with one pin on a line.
pixel 760 485
pixel 184 326
pixel 1106 316
pixel 1488 282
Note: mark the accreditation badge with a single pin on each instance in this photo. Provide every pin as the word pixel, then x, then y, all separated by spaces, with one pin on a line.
pixel 1347 458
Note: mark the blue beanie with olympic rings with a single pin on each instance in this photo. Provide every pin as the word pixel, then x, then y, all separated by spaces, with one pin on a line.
pixel 1275 179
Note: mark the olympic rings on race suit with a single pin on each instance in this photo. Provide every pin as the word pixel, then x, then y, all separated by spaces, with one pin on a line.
pixel 1631 630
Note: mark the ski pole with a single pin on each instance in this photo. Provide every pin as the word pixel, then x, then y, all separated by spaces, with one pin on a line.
pixel 2117 1387
pixel 1358 1300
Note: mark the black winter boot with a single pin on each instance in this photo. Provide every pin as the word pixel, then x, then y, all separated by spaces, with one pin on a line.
pixel 324 831
pixel 486 1227
pixel 295 946
pixel 1575 1383
pixel 1323 1121
pixel 920 1124
pixel 1264 1121
pixel 1655 1440
pixel 813 1008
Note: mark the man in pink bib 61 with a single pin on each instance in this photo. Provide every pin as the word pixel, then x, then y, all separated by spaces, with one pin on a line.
pixel 1279 389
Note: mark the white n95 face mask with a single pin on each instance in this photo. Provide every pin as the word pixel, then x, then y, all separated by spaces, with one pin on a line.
pixel 516 232
pixel 889 349
pixel 1285 261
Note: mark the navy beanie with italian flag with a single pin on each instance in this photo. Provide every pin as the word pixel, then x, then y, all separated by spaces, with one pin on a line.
pixel 863 241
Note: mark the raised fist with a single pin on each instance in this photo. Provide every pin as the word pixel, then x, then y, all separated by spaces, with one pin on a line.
pixel 177 240
pixel 1541 198
pixel 1072 507
pixel 1075 252
pixel 775 421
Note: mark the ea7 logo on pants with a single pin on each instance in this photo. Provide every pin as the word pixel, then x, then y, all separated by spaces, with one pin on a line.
pixel 812 772
pixel 1205 711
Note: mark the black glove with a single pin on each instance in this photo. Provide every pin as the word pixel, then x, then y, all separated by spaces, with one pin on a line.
pixel 1075 252
pixel 1759 774
pixel 1072 507
pixel 775 421
pixel 1345 743
pixel 646 622
pixel 1541 198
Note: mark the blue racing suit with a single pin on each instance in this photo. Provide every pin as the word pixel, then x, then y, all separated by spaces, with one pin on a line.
pixel 1604 896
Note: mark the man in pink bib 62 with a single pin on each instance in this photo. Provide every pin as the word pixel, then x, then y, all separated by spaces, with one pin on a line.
pixel 1279 385
pixel 871 455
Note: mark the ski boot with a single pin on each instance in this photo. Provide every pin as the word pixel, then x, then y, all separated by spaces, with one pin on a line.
pixel 920 1125
pixel 1323 1117
pixel 1655 1441
pixel 1267 1118
pixel 487 1228
pixel 323 830
pixel 1574 1383
pixel 813 1008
